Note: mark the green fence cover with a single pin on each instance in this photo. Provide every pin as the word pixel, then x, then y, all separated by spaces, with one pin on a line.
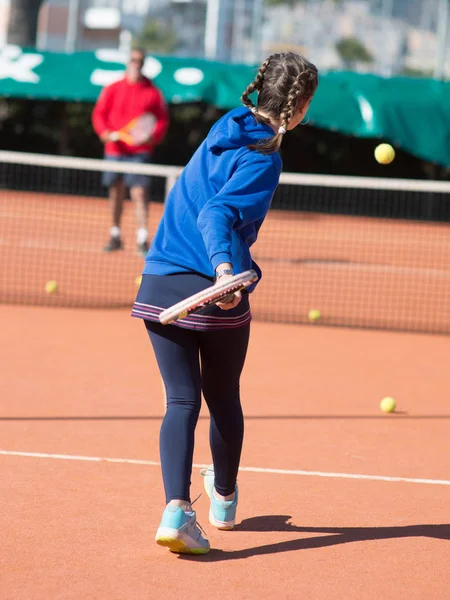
pixel 413 114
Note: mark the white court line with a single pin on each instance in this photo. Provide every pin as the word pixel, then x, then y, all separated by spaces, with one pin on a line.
pixel 152 463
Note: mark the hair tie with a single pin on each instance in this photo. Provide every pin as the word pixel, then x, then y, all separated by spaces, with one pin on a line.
pixel 282 130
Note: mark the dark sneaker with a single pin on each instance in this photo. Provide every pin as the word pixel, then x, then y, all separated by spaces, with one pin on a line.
pixel 143 249
pixel 114 244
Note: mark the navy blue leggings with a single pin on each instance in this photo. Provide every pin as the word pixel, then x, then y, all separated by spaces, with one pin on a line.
pixel 192 362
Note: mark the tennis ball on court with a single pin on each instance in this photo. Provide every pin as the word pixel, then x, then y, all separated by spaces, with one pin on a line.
pixel 138 281
pixel 314 314
pixel 51 287
pixel 384 154
pixel 388 404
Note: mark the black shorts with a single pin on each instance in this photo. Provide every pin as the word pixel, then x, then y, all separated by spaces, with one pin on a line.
pixel 158 292
pixel 130 179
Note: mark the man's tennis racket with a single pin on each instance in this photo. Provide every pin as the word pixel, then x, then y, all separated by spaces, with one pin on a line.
pixel 211 295
pixel 136 132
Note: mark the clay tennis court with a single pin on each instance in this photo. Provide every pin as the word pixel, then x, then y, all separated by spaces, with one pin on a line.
pixel 380 273
pixel 337 500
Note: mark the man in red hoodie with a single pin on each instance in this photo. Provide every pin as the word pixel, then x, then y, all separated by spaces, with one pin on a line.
pixel 118 104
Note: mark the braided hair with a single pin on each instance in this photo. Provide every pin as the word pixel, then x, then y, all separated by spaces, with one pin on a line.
pixel 255 85
pixel 285 82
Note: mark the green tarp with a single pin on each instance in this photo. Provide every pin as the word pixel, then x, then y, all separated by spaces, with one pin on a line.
pixel 413 114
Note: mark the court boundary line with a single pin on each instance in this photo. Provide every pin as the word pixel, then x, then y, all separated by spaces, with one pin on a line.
pixel 304 473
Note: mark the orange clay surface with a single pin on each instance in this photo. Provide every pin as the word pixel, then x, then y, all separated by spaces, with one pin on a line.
pixel 358 271
pixel 80 384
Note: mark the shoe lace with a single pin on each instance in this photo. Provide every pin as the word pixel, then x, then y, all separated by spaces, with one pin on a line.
pixel 194 501
pixel 198 527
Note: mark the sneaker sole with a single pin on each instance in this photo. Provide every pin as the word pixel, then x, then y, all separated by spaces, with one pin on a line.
pixel 177 541
pixel 222 525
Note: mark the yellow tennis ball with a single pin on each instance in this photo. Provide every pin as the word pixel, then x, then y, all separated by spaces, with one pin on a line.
pixel 138 281
pixel 384 154
pixel 51 287
pixel 388 404
pixel 314 314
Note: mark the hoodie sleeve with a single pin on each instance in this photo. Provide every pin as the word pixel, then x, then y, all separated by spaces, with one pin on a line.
pixel 245 198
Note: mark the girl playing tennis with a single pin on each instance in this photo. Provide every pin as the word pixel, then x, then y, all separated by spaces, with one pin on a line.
pixel 211 218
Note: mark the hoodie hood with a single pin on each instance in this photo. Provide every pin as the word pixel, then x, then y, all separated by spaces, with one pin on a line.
pixel 214 211
pixel 237 129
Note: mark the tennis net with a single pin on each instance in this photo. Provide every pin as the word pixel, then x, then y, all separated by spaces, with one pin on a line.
pixel 364 252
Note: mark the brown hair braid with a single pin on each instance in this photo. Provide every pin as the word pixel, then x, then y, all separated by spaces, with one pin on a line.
pixel 285 82
pixel 256 85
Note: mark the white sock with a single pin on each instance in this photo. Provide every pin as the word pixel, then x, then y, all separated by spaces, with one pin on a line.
pixel 115 231
pixel 142 235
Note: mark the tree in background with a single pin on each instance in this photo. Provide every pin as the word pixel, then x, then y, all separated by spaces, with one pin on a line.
pixel 156 37
pixel 352 51
pixel 23 21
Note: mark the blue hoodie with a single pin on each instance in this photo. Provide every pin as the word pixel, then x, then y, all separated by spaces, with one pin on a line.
pixel 215 209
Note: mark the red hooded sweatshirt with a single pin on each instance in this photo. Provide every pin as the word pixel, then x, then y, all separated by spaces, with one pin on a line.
pixel 123 101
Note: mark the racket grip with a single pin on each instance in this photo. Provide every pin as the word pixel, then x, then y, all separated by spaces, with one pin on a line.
pixel 226 299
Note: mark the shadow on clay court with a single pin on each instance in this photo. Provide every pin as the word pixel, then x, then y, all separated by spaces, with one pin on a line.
pixel 399 414
pixel 328 536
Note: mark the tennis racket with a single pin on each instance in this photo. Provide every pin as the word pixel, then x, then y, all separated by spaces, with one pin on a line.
pixel 211 295
pixel 136 132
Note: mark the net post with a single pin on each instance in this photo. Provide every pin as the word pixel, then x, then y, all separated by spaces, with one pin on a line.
pixel 170 181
